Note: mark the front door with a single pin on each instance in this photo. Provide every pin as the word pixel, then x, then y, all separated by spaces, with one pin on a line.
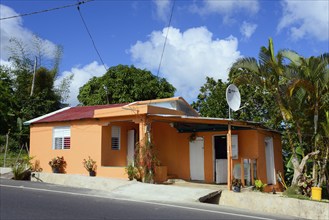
pixel 131 146
pixel 197 159
pixel 220 148
pixel 269 155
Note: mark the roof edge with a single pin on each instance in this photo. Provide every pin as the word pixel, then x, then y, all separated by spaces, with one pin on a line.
pixel 45 116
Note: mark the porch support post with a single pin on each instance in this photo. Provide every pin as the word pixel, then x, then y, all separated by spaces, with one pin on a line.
pixel 229 157
pixel 142 131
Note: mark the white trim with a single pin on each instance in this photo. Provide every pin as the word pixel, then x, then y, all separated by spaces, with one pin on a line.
pixel 45 116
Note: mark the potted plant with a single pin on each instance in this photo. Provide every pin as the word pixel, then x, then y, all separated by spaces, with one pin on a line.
pixel 90 166
pixel 236 185
pixel 131 170
pixel 259 186
pixel 58 164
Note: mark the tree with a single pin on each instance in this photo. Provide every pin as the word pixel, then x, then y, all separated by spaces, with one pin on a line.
pixel 7 101
pixel 211 99
pixel 19 104
pixel 123 84
pixel 271 75
pixel 255 106
pixel 310 87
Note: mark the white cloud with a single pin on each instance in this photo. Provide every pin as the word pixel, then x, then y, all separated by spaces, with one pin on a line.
pixel 227 8
pixel 247 29
pixel 189 57
pixel 162 9
pixel 13 28
pixel 305 19
pixel 81 76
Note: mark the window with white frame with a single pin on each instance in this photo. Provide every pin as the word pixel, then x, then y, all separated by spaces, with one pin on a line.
pixel 115 140
pixel 61 138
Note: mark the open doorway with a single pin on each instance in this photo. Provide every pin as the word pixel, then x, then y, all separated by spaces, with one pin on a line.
pixel 220 159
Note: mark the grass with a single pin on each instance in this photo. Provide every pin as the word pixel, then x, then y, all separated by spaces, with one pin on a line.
pixel 11 158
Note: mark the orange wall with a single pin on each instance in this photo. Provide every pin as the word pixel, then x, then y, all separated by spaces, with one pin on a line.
pixel 86 140
pixel 93 138
pixel 116 157
pixel 173 150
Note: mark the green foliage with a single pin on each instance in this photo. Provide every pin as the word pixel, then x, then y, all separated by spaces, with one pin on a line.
pixel 146 160
pixel 123 84
pixel 89 164
pixel 132 171
pixel 259 185
pixel 305 184
pixel 7 101
pixel 16 102
pixel 211 99
pixel 294 88
pixel 22 168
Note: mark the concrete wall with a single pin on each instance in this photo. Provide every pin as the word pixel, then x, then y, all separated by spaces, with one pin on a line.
pixel 275 204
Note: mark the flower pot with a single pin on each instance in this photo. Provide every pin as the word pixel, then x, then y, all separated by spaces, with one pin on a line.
pixel 92 173
pixel 55 169
pixel 236 189
pixel 316 193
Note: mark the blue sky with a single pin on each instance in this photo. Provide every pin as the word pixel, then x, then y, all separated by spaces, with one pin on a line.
pixel 205 36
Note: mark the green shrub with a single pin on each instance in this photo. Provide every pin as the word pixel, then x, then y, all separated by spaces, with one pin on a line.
pixel 259 185
pixel 294 191
pixel 22 169
pixel 305 184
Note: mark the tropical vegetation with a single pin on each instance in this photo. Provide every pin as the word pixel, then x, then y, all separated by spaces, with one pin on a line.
pixel 286 92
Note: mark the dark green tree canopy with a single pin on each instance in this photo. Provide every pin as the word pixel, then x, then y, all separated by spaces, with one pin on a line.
pixel 211 100
pixel 122 84
pixel 256 106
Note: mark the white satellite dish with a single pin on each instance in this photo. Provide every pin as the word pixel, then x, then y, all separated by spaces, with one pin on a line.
pixel 233 97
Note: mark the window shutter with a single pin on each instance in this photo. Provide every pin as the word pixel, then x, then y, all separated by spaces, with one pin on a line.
pixel 115 140
pixel 61 138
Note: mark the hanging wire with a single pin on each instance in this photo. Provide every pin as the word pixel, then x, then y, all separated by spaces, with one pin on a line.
pixel 47 10
pixel 165 43
pixel 91 38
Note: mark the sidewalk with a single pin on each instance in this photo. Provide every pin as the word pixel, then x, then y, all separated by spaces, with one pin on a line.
pixel 131 189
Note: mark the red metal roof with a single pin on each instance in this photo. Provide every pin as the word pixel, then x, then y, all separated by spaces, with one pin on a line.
pixel 76 113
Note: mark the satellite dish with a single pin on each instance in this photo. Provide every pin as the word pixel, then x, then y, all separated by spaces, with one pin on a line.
pixel 233 97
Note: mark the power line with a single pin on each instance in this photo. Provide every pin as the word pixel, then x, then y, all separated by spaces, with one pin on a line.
pixel 47 10
pixel 92 40
pixel 165 43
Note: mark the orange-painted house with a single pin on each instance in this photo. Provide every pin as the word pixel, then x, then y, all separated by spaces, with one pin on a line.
pixel 108 134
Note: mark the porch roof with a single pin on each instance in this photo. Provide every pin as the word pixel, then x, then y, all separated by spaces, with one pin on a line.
pixel 188 124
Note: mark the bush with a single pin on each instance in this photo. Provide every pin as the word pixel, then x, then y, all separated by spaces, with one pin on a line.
pixel 22 169
pixel 305 184
pixel 294 192
pixel 259 186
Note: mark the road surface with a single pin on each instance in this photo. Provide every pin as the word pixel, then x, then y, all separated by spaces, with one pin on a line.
pixel 32 200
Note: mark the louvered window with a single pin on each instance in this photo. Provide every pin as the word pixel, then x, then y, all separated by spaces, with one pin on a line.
pixel 115 140
pixel 61 138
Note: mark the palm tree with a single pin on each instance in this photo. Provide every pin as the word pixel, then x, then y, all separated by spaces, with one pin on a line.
pixel 312 82
pixel 272 75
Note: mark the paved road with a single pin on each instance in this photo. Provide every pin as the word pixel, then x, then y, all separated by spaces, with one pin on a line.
pixel 32 200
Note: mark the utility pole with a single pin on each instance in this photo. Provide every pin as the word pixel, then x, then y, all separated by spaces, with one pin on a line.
pixel 34 69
